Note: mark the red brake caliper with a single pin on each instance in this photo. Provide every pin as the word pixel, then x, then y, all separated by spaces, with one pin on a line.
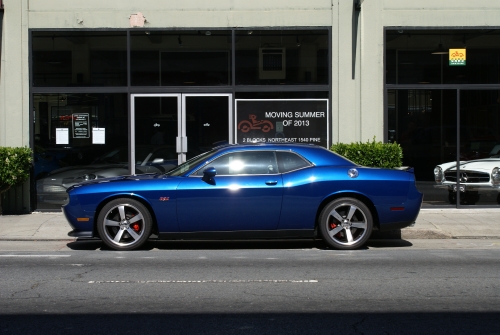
pixel 333 226
pixel 136 227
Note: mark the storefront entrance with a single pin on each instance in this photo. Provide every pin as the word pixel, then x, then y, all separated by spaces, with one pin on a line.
pixel 179 126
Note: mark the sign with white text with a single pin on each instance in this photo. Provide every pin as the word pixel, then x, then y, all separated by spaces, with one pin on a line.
pixel 81 125
pixel 282 121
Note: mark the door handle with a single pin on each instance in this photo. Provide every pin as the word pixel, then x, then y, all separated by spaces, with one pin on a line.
pixel 271 182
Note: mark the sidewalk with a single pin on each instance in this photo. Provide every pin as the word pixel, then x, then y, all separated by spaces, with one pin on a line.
pixel 431 224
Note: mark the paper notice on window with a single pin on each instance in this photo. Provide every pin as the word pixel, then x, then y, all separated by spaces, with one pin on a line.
pixel 98 135
pixel 62 135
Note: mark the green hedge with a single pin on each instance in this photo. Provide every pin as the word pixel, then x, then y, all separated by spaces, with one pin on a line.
pixel 374 154
pixel 15 166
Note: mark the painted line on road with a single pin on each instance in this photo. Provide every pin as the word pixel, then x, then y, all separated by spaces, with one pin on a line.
pixel 236 281
pixel 35 256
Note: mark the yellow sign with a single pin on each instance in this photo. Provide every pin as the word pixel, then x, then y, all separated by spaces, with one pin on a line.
pixel 457 57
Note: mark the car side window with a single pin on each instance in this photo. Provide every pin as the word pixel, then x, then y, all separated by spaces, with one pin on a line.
pixel 289 161
pixel 244 163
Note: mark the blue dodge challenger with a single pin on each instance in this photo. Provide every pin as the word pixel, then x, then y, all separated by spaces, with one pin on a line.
pixel 246 192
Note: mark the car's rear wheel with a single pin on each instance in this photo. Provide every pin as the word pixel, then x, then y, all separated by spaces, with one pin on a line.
pixel 124 224
pixel 346 223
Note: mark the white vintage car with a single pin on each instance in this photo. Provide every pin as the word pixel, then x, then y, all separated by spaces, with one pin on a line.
pixel 473 176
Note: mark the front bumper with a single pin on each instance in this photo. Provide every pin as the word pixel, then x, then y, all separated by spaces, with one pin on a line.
pixel 453 187
pixel 81 233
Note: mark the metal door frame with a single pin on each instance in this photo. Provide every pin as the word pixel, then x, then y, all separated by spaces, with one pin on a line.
pixel 181 138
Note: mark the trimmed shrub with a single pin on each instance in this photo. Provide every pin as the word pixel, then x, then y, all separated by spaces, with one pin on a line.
pixel 15 166
pixel 373 154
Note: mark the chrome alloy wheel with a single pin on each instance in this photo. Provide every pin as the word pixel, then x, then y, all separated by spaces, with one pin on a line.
pixel 346 223
pixel 124 224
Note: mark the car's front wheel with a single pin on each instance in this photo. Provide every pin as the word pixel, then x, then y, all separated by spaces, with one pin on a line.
pixel 124 224
pixel 346 223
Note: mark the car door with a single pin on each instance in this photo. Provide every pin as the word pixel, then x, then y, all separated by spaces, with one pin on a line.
pixel 245 194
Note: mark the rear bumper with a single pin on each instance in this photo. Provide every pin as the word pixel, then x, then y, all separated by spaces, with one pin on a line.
pixel 395 225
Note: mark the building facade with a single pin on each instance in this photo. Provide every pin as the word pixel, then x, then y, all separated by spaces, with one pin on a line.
pixel 113 87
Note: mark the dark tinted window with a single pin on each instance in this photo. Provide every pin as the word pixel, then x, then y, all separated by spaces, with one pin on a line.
pixel 282 57
pixel 181 58
pixel 83 58
pixel 288 161
pixel 244 163
pixel 423 56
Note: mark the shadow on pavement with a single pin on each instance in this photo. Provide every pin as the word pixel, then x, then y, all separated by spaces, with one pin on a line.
pixel 258 323
pixel 95 244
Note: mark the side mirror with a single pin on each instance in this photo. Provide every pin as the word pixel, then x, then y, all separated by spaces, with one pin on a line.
pixel 158 161
pixel 208 175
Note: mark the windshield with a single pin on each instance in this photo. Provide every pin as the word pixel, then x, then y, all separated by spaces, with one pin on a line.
pixel 183 168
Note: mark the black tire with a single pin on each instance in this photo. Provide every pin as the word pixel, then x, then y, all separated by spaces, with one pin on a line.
pixel 124 224
pixel 346 223
pixel 467 198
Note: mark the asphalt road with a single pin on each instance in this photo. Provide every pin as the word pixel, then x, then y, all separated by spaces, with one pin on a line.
pixel 395 287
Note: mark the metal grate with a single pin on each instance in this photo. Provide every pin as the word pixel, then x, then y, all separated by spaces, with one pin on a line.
pixel 468 176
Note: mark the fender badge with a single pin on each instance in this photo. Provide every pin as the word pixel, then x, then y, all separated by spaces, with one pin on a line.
pixel 164 198
pixel 353 173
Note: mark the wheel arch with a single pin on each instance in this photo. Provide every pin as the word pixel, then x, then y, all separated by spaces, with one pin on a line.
pixel 127 196
pixel 364 199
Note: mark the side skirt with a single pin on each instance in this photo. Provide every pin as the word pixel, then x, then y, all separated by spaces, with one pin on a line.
pixel 239 235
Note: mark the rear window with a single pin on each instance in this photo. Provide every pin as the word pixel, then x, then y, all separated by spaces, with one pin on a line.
pixel 289 161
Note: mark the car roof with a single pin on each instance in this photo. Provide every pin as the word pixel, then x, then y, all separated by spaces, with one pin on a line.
pixel 315 154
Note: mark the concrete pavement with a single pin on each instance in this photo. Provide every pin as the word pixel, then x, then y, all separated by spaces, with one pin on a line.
pixel 481 223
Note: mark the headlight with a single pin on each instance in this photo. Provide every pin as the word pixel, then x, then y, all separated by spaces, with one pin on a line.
pixel 87 176
pixel 438 174
pixel 495 175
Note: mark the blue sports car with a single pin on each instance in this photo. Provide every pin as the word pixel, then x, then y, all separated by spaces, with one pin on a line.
pixel 247 191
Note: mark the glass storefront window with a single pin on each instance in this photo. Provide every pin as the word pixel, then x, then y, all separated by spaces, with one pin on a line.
pixel 424 123
pixel 282 57
pixel 181 58
pixel 79 58
pixel 77 137
pixel 479 149
pixel 422 56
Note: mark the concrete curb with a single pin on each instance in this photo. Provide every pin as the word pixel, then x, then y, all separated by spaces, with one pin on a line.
pixel 414 234
pixel 443 223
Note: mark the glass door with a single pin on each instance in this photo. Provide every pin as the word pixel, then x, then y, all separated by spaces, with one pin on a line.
pixel 170 128
pixel 206 119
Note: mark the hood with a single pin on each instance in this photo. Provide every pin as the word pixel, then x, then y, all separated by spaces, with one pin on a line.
pixel 122 179
pixel 483 165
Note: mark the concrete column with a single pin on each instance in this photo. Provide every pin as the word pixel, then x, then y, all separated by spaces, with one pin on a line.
pixel 14 83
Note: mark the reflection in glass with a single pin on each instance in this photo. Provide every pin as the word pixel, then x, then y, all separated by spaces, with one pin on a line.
pixel 479 145
pixel 57 165
pixel 424 123
pixel 156 133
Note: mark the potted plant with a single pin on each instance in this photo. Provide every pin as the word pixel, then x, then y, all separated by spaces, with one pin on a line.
pixel 15 166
